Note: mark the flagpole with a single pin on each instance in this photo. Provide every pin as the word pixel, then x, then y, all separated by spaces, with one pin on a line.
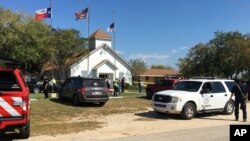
pixel 51 40
pixel 88 41
pixel 52 55
pixel 114 40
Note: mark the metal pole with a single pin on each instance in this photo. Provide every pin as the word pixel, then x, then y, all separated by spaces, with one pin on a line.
pixel 88 41
pixel 114 40
pixel 52 55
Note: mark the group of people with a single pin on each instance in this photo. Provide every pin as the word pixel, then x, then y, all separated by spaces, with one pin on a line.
pixel 118 86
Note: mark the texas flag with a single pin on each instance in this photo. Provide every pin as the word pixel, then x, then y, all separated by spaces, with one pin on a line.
pixel 43 13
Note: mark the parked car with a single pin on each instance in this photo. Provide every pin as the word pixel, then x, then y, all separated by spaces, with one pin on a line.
pixel 160 85
pixel 196 96
pixel 14 99
pixel 37 86
pixel 83 89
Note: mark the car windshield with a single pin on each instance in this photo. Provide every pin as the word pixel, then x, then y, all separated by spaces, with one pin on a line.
pixel 192 86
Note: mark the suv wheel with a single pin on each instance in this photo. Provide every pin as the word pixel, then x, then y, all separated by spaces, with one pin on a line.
pixel 188 111
pixel 36 90
pixel 24 132
pixel 229 108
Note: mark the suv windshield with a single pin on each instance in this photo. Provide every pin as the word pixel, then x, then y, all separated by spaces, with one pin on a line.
pixel 192 86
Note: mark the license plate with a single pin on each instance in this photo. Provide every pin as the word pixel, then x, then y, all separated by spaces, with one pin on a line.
pixel 97 93
pixel 160 105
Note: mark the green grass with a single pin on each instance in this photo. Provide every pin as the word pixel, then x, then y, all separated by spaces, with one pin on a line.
pixel 52 116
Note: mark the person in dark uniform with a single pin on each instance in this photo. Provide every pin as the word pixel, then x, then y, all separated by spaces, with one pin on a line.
pixel 240 93
pixel 123 84
pixel 46 87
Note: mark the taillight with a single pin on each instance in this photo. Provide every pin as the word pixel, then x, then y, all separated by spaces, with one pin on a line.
pixel 83 91
pixel 25 104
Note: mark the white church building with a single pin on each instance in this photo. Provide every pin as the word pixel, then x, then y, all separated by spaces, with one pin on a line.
pixel 102 60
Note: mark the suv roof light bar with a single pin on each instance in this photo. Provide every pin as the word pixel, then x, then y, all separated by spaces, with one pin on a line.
pixel 208 78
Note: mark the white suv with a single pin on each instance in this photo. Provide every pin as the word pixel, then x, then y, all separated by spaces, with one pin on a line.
pixel 195 96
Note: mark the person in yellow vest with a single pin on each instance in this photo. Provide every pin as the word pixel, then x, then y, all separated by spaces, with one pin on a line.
pixel 116 87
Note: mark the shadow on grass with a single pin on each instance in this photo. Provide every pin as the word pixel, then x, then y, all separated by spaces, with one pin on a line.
pixel 69 103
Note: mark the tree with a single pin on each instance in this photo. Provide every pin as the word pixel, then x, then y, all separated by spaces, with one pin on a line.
pixel 161 67
pixel 184 66
pixel 33 42
pixel 225 55
pixel 22 38
pixel 65 43
pixel 138 66
pixel 228 49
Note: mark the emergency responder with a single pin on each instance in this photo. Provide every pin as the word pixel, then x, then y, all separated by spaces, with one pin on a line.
pixel 241 95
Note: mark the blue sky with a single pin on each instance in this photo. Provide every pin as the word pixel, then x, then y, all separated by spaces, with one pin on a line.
pixel 157 31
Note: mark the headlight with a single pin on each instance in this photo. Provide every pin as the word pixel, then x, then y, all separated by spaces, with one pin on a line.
pixel 176 99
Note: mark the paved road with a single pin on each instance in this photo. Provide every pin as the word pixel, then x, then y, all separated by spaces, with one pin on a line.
pixel 214 133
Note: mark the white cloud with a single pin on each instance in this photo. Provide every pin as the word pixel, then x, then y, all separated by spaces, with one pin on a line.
pixel 182 48
pixel 173 51
pixel 148 56
pixel 119 52
pixel 150 59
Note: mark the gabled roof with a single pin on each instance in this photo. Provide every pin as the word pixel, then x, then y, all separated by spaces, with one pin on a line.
pixel 160 72
pixel 100 35
pixel 107 48
pixel 104 62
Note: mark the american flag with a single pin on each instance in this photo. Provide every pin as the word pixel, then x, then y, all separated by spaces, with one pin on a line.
pixel 82 14
pixel 111 28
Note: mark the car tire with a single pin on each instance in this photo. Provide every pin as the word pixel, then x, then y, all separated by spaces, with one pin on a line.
pixel 229 108
pixel 101 104
pixel 149 94
pixel 188 111
pixel 36 90
pixel 24 132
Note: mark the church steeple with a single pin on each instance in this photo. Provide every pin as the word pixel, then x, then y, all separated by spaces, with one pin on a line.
pixel 98 38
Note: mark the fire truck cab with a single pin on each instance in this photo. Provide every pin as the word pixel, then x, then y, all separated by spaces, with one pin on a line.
pixel 14 99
